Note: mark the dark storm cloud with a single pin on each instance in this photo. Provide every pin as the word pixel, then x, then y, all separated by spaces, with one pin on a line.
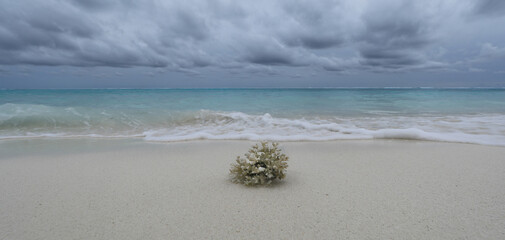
pixel 318 42
pixel 309 28
pixel 389 58
pixel 334 35
pixel 313 40
pixel 43 27
pixel 59 33
pixel 490 7
pixel 190 25
pixel 94 4
pixel 394 41
pixel 269 58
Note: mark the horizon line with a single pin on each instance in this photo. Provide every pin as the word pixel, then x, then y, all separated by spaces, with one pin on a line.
pixel 253 88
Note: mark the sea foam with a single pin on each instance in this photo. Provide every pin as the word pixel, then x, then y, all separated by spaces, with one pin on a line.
pixel 35 121
pixel 484 129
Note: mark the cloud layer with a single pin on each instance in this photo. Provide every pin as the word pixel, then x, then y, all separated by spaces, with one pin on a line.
pixel 332 35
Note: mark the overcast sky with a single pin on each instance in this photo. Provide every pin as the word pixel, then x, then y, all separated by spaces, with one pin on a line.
pixel 260 43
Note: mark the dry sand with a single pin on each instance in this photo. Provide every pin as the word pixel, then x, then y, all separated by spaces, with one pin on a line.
pixel 124 189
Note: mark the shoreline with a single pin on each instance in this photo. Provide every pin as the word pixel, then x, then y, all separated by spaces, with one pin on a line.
pixel 142 139
pixel 131 189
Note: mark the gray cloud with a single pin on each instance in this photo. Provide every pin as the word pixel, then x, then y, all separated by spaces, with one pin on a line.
pixel 489 51
pixel 307 27
pixel 490 7
pixel 395 41
pixel 334 35
pixel 269 58
pixel 95 4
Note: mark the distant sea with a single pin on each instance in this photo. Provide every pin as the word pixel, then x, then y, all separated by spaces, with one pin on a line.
pixel 449 115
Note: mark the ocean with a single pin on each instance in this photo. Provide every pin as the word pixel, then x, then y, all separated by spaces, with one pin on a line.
pixel 449 115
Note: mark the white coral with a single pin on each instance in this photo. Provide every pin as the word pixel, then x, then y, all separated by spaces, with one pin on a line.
pixel 263 163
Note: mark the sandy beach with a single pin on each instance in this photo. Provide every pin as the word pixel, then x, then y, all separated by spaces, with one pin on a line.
pixel 121 120
pixel 368 189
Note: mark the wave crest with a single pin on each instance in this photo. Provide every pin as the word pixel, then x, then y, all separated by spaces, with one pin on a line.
pixel 27 121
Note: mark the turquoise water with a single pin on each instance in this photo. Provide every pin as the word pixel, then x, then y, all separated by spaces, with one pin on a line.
pixel 455 115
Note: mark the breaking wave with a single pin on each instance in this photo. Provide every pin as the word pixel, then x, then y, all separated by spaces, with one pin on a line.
pixel 31 121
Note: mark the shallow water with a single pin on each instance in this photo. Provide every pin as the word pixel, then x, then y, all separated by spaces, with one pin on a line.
pixel 453 115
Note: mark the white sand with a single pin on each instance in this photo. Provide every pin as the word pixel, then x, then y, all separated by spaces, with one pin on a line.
pixel 117 189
